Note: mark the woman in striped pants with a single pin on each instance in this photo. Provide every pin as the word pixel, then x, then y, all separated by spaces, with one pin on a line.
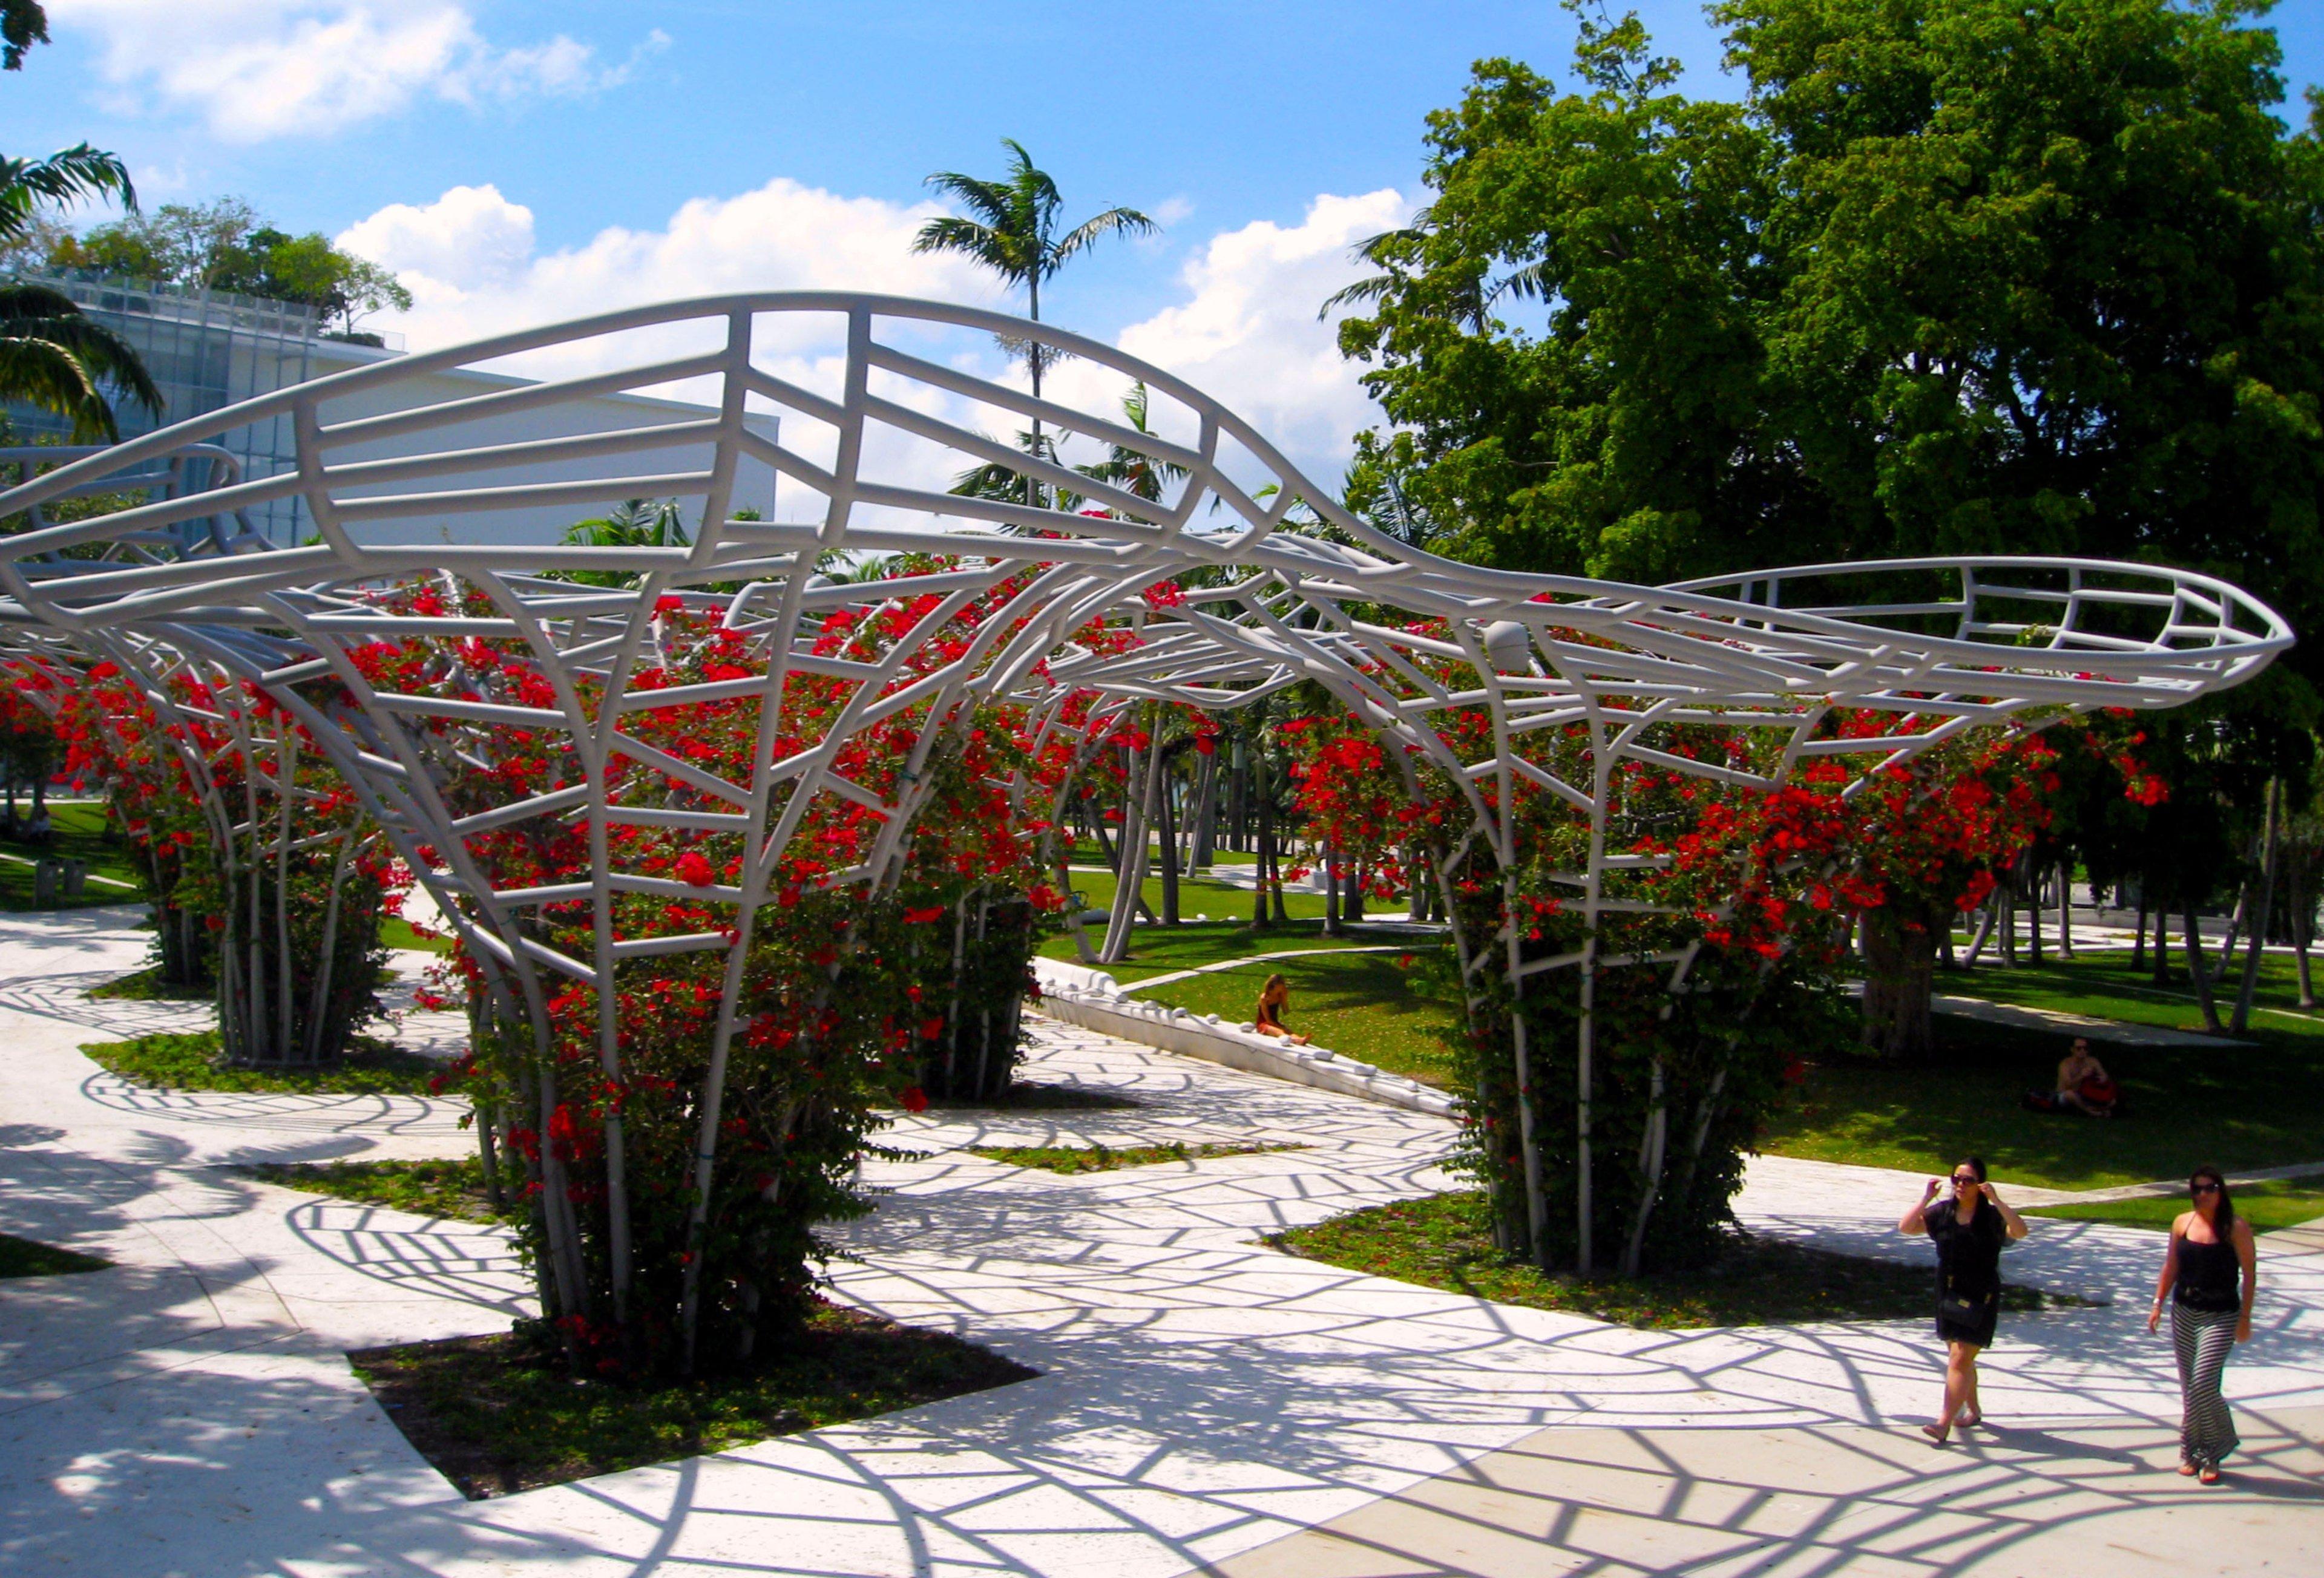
pixel 2209 1275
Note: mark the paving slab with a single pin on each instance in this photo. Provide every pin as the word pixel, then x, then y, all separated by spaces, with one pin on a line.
pixel 1202 1396
pixel 2071 1500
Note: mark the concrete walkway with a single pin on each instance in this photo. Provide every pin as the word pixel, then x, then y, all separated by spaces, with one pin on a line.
pixel 1203 1402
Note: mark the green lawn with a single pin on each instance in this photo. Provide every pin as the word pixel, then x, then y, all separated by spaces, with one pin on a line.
pixel 2278 1202
pixel 1160 949
pixel 454 1189
pixel 1072 1159
pixel 2237 1107
pixel 1361 1005
pixel 496 1415
pixel 1445 1241
pixel 396 931
pixel 21 1257
pixel 80 834
pixel 191 1062
pixel 2103 985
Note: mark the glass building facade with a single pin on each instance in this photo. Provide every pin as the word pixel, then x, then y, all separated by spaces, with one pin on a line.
pixel 206 350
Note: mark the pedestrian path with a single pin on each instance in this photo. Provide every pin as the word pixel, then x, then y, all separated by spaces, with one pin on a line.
pixel 1205 1403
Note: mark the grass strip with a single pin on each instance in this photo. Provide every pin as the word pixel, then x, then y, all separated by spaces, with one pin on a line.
pixel 2269 1205
pixel 395 932
pixel 21 1257
pixel 447 1190
pixel 495 1415
pixel 1373 1007
pixel 1107 1158
pixel 148 986
pixel 194 1060
pixel 76 831
pixel 1445 1241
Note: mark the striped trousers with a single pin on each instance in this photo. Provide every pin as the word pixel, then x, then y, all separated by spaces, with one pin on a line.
pixel 2202 1337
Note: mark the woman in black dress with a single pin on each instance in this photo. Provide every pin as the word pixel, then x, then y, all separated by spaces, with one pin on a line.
pixel 2211 1274
pixel 1969 1226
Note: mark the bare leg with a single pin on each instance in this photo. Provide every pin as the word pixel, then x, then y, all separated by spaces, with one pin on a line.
pixel 1972 1412
pixel 1961 1385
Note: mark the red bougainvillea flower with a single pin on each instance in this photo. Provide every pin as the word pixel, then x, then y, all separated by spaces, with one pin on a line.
pixel 913 1100
pixel 931 1028
pixel 921 917
pixel 694 871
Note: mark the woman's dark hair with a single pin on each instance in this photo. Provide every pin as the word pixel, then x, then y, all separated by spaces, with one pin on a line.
pixel 2223 1220
pixel 1976 1164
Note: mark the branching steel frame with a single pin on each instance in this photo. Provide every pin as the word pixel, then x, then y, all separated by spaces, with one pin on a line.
pixel 1969 641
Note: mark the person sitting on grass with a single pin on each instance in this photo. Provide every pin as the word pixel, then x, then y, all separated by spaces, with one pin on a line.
pixel 1273 998
pixel 2083 1084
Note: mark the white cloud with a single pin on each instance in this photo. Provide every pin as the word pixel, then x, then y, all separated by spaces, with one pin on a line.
pixel 469 237
pixel 1245 331
pixel 1248 335
pixel 468 257
pixel 260 69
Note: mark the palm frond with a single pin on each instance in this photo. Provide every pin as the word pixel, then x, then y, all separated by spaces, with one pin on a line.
pixel 991 201
pixel 1530 284
pixel 84 357
pixel 66 176
pixel 1362 292
pixel 1112 222
pixel 40 372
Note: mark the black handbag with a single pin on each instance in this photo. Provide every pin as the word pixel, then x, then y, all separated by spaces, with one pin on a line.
pixel 1957 1308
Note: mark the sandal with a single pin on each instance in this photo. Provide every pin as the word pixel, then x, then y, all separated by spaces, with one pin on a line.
pixel 1971 1421
pixel 2210 1474
pixel 2187 1466
pixel 1935 1432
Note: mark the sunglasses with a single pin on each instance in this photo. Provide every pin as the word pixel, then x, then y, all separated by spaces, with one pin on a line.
pixel 1966 1178
pixel 2203 1188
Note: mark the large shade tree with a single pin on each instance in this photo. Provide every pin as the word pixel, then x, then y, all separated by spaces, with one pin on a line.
pixel 1953 275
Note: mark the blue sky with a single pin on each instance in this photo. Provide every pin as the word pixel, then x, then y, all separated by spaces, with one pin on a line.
pixel 577 133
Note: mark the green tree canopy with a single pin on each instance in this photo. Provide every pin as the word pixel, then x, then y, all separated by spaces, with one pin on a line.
pixel 224 244
pixel 1954 276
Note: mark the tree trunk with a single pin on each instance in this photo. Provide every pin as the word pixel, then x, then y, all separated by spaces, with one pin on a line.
pixel 1166 805
pixel 1352 895
pixel 2006 894
pixel 2198 970
pixel 2065 910
pixel 1331 869
pixel 1239 799
pixel 1900 962
pixel 2138 937
pixel 1129 880
pixel 1262 841
pixel 2034 909
pixel 2302 918
pixel 1207 819
pixel 2261 911
pixel 2162 944
pixel 1984 933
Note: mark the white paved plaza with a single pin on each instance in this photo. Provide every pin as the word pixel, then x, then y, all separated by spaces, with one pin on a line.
pixel 1203 1402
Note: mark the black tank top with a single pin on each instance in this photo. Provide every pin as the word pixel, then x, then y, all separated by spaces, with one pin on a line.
pixel 2210 1276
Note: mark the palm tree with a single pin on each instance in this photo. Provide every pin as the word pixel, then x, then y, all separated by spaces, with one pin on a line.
pixel 1012 230
pixel 1000 481
pixel 633 523
pixel 1133 470
pixel 51 355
